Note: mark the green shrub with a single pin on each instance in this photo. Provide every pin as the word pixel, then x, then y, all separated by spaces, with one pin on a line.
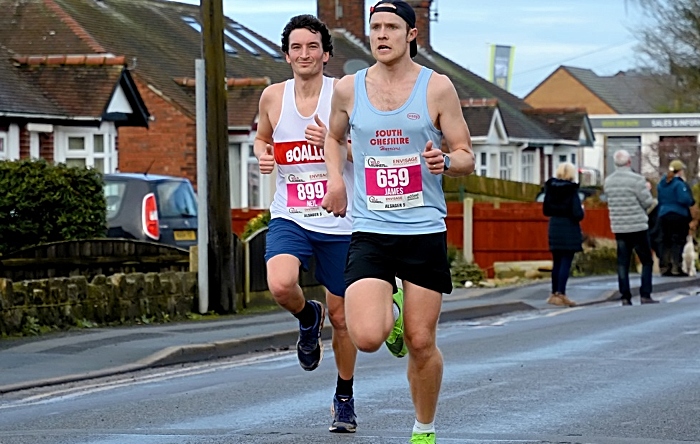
pixel 463 271
pixel 596 261
pixel 256 223
pixel 42 202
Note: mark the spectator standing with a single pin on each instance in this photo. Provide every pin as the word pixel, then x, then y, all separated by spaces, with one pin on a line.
pixel 675 200
pixel 563 207
pixel 629 200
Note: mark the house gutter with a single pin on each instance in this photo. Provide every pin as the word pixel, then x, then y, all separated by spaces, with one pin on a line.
pixel 48 117
pixel 545 141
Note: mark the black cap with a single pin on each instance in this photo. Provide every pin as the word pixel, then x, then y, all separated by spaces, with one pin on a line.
pixel 403 10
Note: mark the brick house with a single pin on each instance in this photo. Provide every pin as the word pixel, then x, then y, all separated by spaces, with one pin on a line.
pixel 44 114
pixel 627 111
pixel 158 42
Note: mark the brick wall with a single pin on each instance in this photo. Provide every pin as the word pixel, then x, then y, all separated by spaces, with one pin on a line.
pixel 561 90
pixel 169 142
pixel 23 143
pixel 353 15
pixel 422 9
pixel 46 148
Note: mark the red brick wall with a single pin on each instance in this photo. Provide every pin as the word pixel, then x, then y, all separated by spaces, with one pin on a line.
pixel 561 90
pixel 46 146
pixel 353 18
pixel 422 9
pixel 23 143
pixel 169 142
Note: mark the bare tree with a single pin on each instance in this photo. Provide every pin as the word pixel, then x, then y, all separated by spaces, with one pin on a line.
pixel 669 49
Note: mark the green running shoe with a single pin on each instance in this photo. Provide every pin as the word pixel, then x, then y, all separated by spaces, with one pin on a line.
pixel 395 342
pixel 423 438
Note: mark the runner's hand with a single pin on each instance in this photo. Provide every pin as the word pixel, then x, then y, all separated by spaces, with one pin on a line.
pixel 267 160
pixel 433 159
pixel 336 200
pixel 316 134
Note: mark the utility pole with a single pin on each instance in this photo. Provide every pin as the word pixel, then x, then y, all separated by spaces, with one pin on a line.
pixel 222 290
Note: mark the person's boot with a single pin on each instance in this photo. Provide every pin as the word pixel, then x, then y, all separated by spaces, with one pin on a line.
pixel 555 299
pixel 567 301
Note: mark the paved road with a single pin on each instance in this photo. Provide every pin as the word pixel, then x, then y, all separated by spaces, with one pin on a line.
pixel 601 374
pixel 89 353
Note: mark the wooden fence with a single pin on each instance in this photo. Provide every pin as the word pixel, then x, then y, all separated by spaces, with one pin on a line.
pixel 91 257
pixel 496 231
pixel 510 231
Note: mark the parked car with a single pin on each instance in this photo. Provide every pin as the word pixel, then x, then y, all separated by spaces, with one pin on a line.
pixel 151 208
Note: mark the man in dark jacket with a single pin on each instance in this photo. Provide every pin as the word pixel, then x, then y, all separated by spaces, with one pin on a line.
pixel 629 199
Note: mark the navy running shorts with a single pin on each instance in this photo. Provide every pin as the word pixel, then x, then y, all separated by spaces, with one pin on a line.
pixel 330 251
pixel 419 258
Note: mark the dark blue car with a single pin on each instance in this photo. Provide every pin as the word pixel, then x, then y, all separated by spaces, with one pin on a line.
pixel 152 208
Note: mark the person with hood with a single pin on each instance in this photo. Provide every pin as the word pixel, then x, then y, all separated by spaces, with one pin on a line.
pixel 675 200
pixel 563 207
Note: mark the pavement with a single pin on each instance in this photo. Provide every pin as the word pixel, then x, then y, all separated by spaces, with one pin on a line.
pixel 77 355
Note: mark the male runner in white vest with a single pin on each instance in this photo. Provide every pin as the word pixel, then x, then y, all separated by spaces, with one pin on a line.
pixel 291 135
pixel 398 113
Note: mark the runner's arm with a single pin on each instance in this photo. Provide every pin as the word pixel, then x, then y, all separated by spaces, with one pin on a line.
pixel 263 137
pixel 335 150
pixel 454 128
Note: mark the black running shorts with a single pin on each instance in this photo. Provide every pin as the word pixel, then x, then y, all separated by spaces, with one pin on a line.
pixel 420 259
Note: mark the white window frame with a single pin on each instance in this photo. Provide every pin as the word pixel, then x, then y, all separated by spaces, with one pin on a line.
pixel 482 164
pixel 109 154
pixel 527 166
pixel 4 146
pixel 505 169
pixel 241 154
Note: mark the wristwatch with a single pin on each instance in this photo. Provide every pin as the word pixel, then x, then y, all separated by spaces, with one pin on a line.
pixel 446 159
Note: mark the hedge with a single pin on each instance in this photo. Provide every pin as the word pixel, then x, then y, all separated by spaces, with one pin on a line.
pixel 43 202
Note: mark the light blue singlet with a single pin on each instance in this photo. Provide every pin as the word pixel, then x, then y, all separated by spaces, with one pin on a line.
pixel 404 197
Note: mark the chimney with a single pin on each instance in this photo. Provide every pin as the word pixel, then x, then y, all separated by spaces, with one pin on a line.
pixel 422 8
pixel 346 14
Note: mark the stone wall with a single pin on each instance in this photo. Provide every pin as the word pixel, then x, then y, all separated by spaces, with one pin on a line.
pixel 119 298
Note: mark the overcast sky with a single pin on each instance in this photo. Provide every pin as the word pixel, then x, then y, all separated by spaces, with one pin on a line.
pixel 593 34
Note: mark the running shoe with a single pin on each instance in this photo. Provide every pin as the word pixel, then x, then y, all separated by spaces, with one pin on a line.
pixel 344 419
pixel 423 438
pixel 309 345
pixel 395 342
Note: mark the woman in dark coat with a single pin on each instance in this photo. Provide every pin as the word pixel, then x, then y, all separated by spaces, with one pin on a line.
pixel 563 207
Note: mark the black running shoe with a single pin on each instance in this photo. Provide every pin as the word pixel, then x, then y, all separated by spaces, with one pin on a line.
pixel 309 345
pixel 344 419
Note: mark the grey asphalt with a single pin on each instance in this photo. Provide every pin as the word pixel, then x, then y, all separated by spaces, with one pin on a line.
pixel 78 355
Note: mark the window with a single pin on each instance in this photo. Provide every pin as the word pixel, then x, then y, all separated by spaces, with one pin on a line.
pixel 573 158
pixel 254 180
pixel 562 158
pixel 87 149
pixel 176 199
pixel 482 167
pixel 633 145
pixel 528 168
pixel 114 194
pixel 505 165
pixel 3 146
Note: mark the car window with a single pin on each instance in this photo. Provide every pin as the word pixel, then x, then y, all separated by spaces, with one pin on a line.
pixel 176 199
pixel 114 194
